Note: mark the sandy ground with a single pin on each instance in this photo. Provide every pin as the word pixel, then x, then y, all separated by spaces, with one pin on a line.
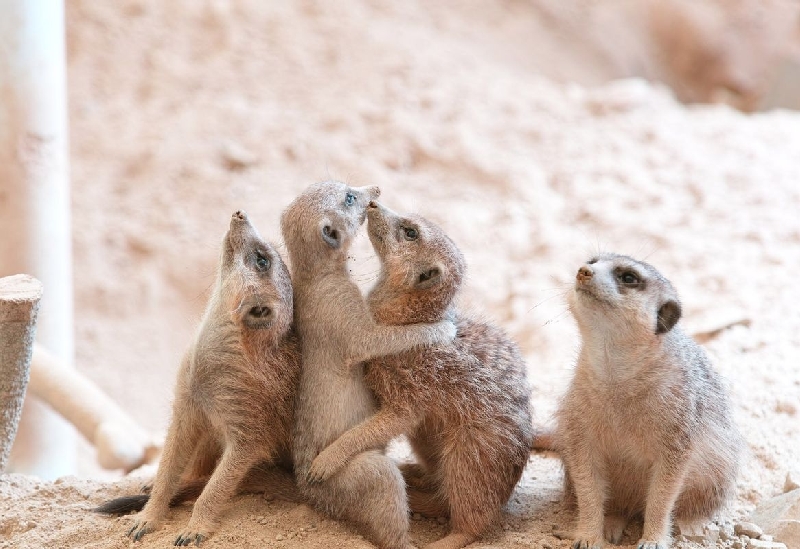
pixel 459 111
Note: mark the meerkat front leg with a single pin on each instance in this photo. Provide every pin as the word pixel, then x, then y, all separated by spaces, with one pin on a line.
pixel 588 477
pixel 390 340
pixel 665 486
pixel 375 432
pixel 232 468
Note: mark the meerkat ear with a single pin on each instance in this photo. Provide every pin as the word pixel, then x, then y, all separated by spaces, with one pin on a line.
pixel 427 277
pixel 330 234
pixel 668 315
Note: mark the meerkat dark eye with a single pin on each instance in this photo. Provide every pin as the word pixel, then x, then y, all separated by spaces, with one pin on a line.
pixel 410 233
pixel 262 262
pixel 629 277
pixel 350 199
pixel 592 261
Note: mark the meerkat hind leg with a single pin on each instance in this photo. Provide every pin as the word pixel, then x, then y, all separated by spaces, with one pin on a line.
pixel 231 469
pixel 370 492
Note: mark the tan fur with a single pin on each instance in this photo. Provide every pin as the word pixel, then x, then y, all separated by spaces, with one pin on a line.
pixel 236 387
pixel 337 334
pixel 464 405
pixel 645 427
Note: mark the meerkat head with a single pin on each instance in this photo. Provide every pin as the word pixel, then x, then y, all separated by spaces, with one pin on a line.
pixel 620 294
pixel 322 222
pixel 254 282
pixel 422 268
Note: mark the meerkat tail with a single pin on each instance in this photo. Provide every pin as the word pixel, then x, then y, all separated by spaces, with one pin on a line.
pixel 126 505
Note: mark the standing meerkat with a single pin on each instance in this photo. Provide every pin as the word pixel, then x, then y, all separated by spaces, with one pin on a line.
pixel 337 334
pixel 234 398
pixel 645 427
pixel 464 405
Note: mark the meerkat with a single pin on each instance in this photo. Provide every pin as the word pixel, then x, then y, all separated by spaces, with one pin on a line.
pixel 464 405
pixel 234 397
pixel 337 334
pixel 645 427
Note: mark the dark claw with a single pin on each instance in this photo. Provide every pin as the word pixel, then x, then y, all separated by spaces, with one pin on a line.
pixel 198 539
pixel 178 540
pixel 139 535
pixel 132 529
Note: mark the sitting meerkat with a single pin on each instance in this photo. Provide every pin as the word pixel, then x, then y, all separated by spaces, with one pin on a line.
pixel 645 427
pixel 464 405
pixel 233 406
pixel 337 334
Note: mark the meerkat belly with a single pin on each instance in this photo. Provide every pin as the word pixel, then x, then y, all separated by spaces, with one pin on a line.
pixel 340 398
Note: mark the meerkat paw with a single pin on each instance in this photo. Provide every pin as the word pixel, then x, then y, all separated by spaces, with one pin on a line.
pixel 614 527
pixel 191 537
pixel 141 527
pixel 324 466
pixel 588 543
pixel 647 544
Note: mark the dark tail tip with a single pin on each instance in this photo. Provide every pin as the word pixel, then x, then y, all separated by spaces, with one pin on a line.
pixel 124 505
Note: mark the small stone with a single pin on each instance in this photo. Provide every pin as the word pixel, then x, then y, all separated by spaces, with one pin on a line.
pixel 761 544
pixel 792 481
pixel 766 537
pixel 748 529
pixel 780 516
pixel 441 520
pixel 737 544
pixel 279 537
pixel 712 533
pixel 416 516
pixel 697 532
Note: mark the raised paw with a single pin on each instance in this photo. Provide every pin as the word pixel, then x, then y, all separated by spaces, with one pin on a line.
pixel 324 466
pixel 583 543
pixel 189 538
pixel 140 528
pixel 647 544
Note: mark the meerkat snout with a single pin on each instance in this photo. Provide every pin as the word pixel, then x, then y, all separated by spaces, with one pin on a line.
pixel 585 273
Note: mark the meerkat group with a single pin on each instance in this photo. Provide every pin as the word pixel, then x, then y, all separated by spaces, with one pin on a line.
pixel 296 383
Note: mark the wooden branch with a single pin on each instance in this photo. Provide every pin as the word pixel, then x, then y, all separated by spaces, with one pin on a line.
pixel 19 306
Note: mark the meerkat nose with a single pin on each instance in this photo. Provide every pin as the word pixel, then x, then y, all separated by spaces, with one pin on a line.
pixel 584 273
pixel 373 204
pixel 240 214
